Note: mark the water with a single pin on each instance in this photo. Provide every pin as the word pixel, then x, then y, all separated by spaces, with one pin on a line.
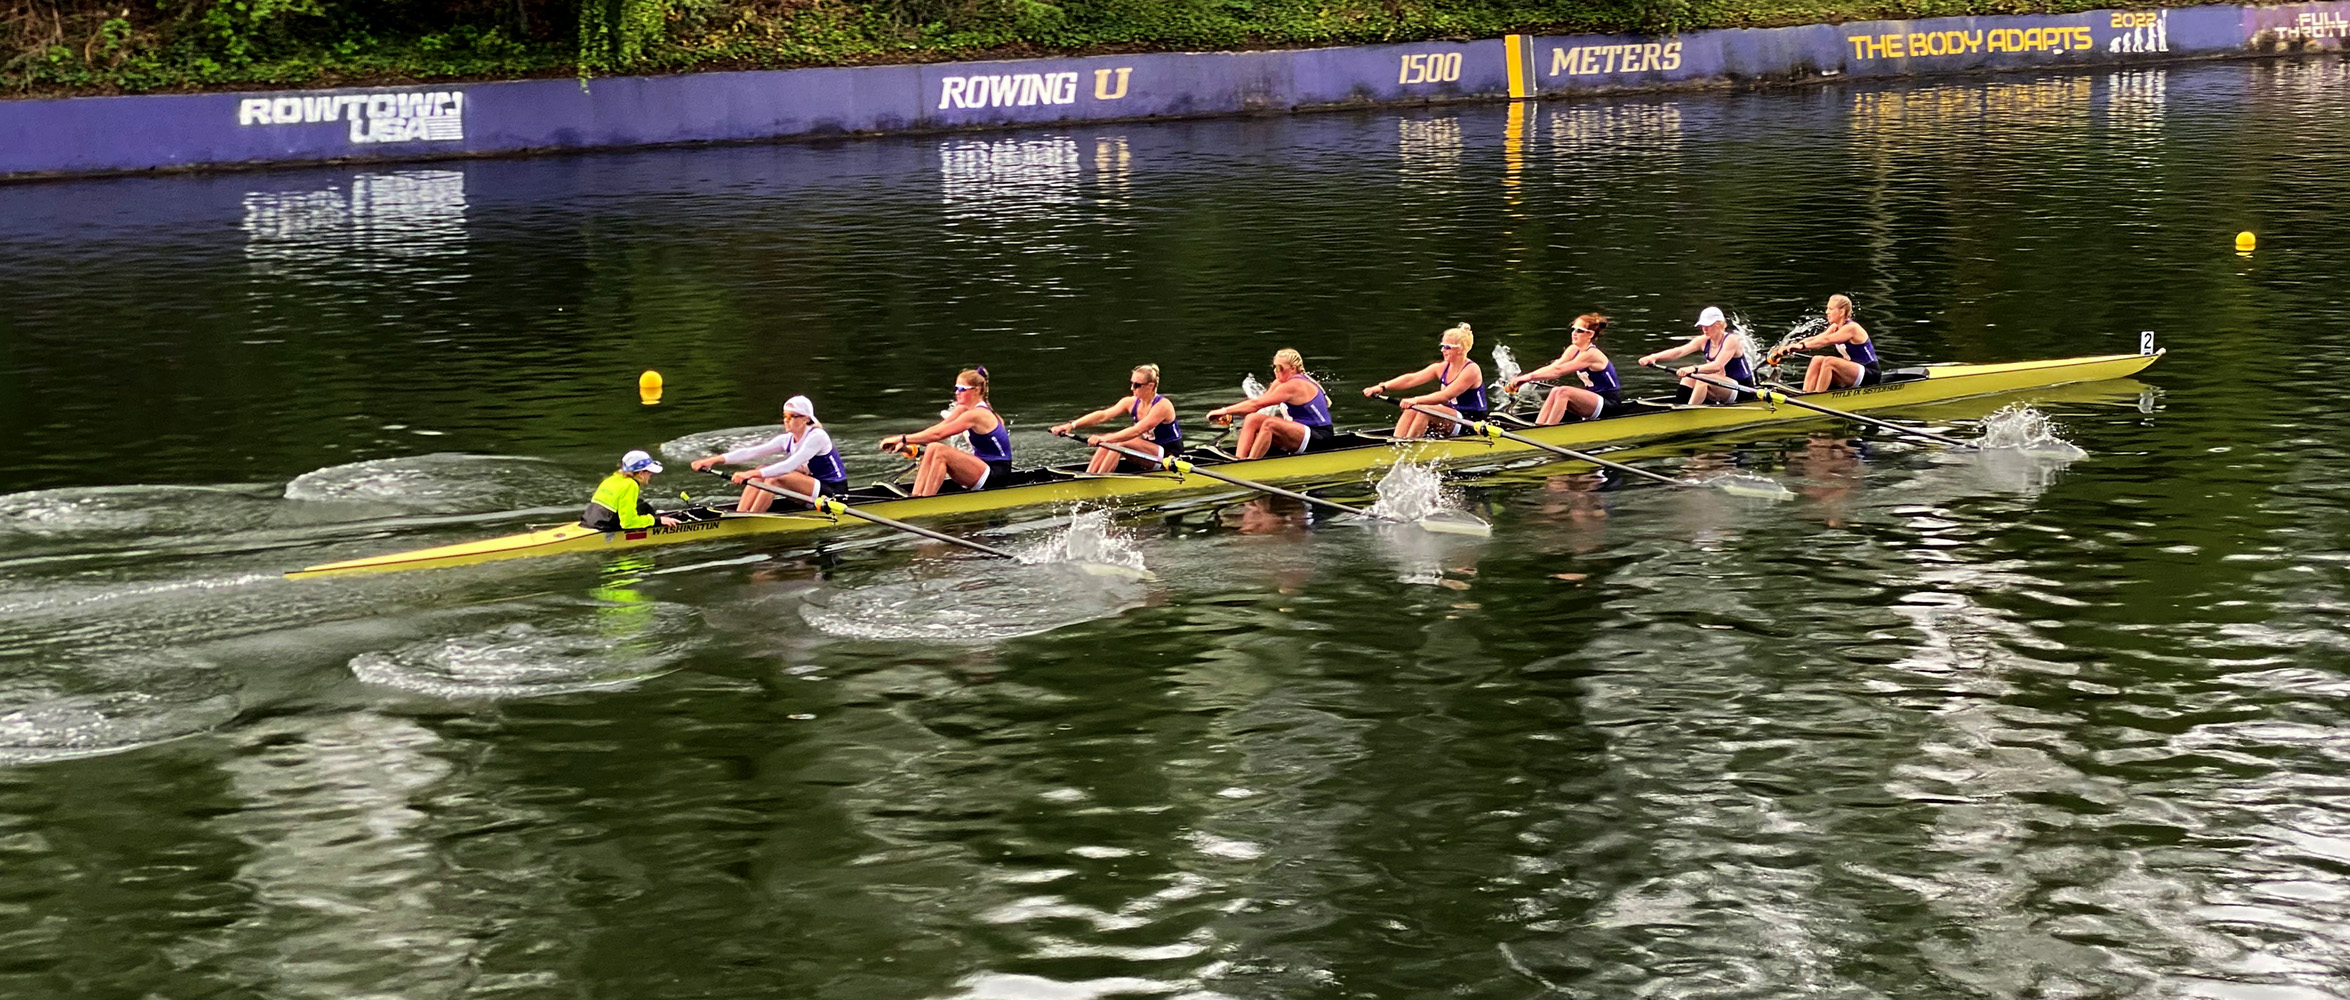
pixel 2022 722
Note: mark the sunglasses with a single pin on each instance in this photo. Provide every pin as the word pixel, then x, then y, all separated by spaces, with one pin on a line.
pixel 966 388
pixel 1448 347
pixel 1136 385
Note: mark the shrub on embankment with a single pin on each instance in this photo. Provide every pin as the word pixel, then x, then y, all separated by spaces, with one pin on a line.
pixel 53 47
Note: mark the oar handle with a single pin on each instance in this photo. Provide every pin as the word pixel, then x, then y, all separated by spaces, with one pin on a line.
pixel 835 507
pixel 1180 467
pixel 1775 396
pixel 1487 430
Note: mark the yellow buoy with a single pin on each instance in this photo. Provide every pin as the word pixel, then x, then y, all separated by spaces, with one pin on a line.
pixel 648 387
pixel 2245 240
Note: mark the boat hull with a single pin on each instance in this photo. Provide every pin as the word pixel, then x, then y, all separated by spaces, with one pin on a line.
pixel 1940 382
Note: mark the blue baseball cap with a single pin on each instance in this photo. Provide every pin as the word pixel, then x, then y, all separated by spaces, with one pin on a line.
pixel 637 461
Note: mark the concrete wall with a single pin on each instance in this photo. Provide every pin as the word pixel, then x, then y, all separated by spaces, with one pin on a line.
pixel 98 135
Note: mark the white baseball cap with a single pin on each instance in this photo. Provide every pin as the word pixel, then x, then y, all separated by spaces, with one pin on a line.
pixel 801 406
pixel 1711 316
pixel 637 461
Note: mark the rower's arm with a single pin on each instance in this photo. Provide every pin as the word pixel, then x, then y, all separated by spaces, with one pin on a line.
pixel 959 422
pixel 1675 352
pixel 1411 379
pixel 1091 418
pixel 816 442
pixel 1159 413
pixel 1449 391
pixel 1849 333
pixel 1567 364
pixel 774 445
pixel 1733 346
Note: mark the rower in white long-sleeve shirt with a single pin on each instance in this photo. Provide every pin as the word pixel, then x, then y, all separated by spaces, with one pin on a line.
pixel 810 464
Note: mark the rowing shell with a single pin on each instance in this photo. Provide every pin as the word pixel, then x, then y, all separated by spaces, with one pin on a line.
pixel 1348 456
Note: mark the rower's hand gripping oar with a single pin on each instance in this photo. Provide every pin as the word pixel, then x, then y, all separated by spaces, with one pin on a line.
pixel 1486 430
pixel 836 508
pixel 1454 525
pixel 1775 396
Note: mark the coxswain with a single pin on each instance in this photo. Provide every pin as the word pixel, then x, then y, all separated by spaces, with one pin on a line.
pixel 619 503
pixel 1292 415
pixel 1855 363
pixel 810 465
pixel 989 462
pixel 1725 361
pixel 1460 387
pixel 1155 431
pixel 1600 395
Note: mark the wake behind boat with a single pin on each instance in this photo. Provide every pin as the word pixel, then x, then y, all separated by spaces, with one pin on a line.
pixel 1346 456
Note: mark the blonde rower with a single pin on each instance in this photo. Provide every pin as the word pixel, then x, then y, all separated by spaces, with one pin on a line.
pixel 1855 363
pixel 1600 395
pixel 1261 431
pixel 988 462
pixel 1155 430
pixel 1460 386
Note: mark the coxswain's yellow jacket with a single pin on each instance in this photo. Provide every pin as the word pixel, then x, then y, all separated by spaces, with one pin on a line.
pixel 619 505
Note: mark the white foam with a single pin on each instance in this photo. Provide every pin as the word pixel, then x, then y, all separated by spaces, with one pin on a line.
pixel 1089 537
pixel 1409 491
pixel 443 481
pixel 614 646
pixel 2016 427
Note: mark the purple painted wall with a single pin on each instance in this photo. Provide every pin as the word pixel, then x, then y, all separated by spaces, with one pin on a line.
pixel 98 135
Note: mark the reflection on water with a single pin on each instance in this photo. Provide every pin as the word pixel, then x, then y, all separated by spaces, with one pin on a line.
pixel 394 224
pixel 2022 722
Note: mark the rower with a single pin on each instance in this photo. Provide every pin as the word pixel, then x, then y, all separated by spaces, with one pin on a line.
pixel 1304 427
pixel 1600 395
pixel 619 503
pixel 1155 431
pixel 989 462
pixel 1725 359
pixel 1856 362
pixel 810 466
pixel 1460 388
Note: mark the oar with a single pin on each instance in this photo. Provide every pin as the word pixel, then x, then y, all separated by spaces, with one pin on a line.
pixel 1483 429
pixel 1781 397
pixel 834 507
pixel 1463 525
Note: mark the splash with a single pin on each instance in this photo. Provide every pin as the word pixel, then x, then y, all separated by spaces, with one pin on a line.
pixel 149 700
pixel 123 509
pixel 444 481
pixel 1089 539
pixel 1085 571
pixel 1410 491
pixel 1802 328
pixel 1505 368
pixel 974 605
pixel 618 647
pixel 1251 388
pixel 2016 427
pixel 1745 332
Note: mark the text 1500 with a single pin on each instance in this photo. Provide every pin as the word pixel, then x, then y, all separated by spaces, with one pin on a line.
pixel 1441 67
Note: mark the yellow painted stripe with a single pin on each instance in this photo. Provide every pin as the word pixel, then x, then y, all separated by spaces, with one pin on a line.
pixel 1515 47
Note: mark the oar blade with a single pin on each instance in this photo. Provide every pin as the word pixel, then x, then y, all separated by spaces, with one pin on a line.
pixel 1113 571
pixel 1454 522
pixel 1754 488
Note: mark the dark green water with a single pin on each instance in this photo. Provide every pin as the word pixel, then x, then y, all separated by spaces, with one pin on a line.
pixel 1943 726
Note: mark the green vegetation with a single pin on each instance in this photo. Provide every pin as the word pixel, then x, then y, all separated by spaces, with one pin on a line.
pixel 116 46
